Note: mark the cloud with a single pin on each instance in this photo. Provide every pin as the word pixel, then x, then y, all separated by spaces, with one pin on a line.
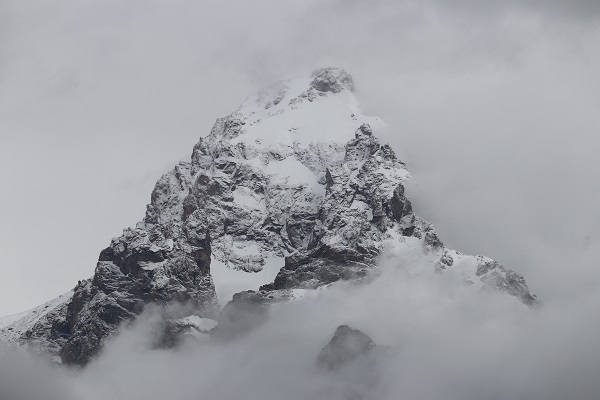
pixel 27 378
pixel 444 341
pixel 493 107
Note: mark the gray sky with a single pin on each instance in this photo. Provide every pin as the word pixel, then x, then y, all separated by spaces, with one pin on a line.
pixel 493 106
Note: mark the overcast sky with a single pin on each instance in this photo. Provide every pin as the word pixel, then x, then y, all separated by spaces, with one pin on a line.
pixel 493 105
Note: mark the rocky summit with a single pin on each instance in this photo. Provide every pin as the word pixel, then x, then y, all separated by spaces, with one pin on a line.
pixel 290 193
pixel 346 346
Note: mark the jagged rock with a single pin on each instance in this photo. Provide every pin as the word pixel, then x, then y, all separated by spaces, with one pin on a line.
pixel 504 280
pixel 331 80
pixel 141 267
pixel 346 346
pixel 320 267
pixel 296 177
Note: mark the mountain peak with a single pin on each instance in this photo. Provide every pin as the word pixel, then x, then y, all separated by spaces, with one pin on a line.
pixel 290 193
pixel 364 130
pixel 331 79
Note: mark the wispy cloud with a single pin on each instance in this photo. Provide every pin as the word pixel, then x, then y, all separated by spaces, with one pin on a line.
pixel 444 341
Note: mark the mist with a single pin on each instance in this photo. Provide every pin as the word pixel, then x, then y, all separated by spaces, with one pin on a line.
pixel 492 105
pixel 444 340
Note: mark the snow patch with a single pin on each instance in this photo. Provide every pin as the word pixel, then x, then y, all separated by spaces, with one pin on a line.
pixel 245 248
pixel 151 266
pixel 292 172
pixel 245 198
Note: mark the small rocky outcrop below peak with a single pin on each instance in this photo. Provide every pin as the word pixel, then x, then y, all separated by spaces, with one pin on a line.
pixel 331 80
pixel 346 346
pixel 499 278
pixel 362 146
pixel 245 312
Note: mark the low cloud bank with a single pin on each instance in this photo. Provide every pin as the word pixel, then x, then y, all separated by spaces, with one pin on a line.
pixel 445 341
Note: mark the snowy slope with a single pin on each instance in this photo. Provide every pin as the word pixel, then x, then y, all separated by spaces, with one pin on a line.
pixel 13 328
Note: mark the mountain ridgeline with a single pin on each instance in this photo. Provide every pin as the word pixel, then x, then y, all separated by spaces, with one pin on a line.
pixel 290 193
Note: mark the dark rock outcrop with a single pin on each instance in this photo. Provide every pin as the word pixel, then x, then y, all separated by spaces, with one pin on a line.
pixel 141 267
pixel 346 346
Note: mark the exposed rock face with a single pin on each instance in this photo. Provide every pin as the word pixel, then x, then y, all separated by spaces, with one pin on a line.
pixel 331 80
pixel 497 277
pixel 294 178
pixel 138 268
pixel 345 346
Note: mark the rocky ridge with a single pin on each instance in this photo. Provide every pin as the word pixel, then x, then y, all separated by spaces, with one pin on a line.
pixel 289 193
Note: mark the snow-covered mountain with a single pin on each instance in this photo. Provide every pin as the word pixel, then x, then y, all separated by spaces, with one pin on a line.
pixel 290 193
